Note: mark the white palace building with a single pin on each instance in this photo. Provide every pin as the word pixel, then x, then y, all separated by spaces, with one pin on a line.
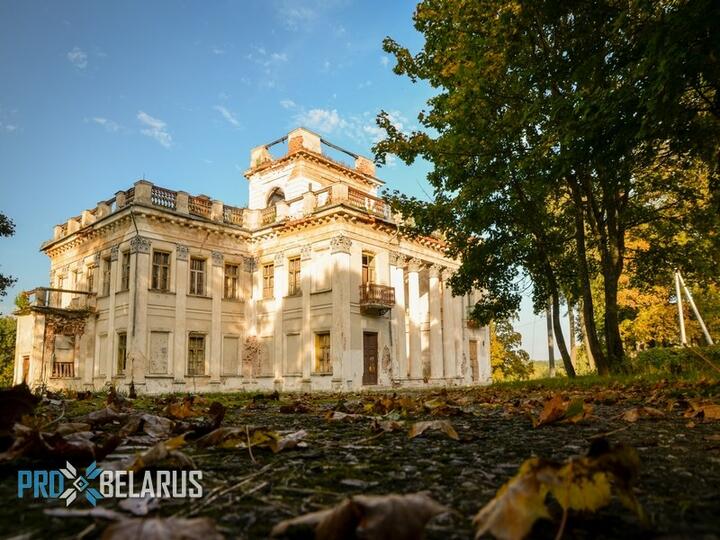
pixel 313 286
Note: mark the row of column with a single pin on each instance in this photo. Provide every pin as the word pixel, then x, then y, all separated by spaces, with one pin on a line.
pixel 445 311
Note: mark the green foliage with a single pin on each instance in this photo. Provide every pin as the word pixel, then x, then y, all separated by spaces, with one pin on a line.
pixel 7 349
pixel 7 228
pixel 508 360
pixel 549 138
pixel 676 361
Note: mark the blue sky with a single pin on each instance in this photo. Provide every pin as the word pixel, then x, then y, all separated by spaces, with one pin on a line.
pixel 95 95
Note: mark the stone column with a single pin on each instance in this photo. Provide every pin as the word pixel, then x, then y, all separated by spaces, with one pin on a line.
pixel 306 337
pixel 449 328
pixel 249 267
pixel 397 280
pixel 415 352
pixel 459 320
pixel 110 368
pixel 179 337
pixel 340 334
pixel 279 293
pixel 216 290
pixel 436 340
pixel 138 307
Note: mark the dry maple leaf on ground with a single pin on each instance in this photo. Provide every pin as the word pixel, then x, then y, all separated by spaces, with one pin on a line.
pixel 418 428
pixel 634 414
pixel 558 409
pixel 581 484
pixel 380 517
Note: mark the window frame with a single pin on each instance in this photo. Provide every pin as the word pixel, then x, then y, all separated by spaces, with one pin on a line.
pixel 121 364
pixel 90 279
pixel 192 360
pixel 155 277
pixel 195 275
pixel 321 353
pixel 232 291
pixel 368 272
pixel 294 276
pixel 106 276
pixel 268 280
pixel 125 271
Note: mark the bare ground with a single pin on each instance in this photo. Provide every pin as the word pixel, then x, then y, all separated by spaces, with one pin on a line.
pixel 679 483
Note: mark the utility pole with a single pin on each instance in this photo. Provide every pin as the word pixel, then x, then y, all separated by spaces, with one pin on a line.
pixel 551 341
pixel 681 315
pixel 695 311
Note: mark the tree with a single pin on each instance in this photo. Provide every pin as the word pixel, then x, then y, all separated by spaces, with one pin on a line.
pixel 7 228
pixel 508 360
pixel 543 161
pixel 7 349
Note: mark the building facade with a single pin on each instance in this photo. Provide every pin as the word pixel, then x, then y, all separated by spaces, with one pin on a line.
pixel 313 286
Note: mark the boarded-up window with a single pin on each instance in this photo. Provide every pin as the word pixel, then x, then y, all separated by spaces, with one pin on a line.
pixel 266 356
pixel 293 361
pixel 121 353
pixel 196 355
pixel 159 342
pixel 322 353
pixel 197 276
pixel 368 268
pixel 231 360
pixel 268 280
pixel 107 264
pixel 323 271
pixel 125 272
pixel 294 276
pixel 232 275
pixel 161 271
pixel 101 357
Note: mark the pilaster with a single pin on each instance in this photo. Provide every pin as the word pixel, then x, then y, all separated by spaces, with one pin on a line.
pixel 340 334
pixel 180 336
pixel 216 288
pixel 436 340
pixel 415 352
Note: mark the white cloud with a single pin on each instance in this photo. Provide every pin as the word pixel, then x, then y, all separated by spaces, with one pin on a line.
pixel 322 120
pixel 155 129
pixel 227 115
pixel 364 85
pixel 8 127
pixel 109 125
pixel 385 61
pixel 218 50
pixel 293 14
pixel 287 104
pixel 78 58
pixel 278 57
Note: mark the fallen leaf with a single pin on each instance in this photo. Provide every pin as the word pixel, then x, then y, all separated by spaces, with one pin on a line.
pixel 387 426
pixel 558 409
pixel 581 484
pixel 251 436
pixel 381 517
pixel 182 409
pixel 418 428
pixel 157 426
pixel 634 414
pixel 140 506
pixel 162 529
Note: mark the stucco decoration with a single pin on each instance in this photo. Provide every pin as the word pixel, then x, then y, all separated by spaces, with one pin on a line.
pixel 340 244
pixel 139 244
pixel 217 258
pixel 181 252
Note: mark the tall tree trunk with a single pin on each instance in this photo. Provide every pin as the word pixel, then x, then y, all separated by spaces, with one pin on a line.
pixel 550 340
pixel 613 341
pixel 612 259
pixel 593 343
pixel 571 331
pixel 569 369
pixel 588 351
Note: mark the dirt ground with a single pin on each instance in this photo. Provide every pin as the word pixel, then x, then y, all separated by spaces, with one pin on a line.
pixel 246 493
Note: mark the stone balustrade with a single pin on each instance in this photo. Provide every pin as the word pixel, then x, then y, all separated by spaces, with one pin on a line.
pixel 145 193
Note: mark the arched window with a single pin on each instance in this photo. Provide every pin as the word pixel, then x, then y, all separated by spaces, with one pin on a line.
pixel 276 195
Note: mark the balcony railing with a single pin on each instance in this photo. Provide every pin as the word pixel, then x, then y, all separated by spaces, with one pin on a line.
pixel 200 206
pixel 63 370
pixel 268 215
pixel 233 215
pixel 376 299
pixel 163 197
pixel 368 203
pixel 61 299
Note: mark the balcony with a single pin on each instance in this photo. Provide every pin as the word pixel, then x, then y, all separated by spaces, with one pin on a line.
pixel 65 299
pixel 63 370
pixel 376 299
pixel 470 320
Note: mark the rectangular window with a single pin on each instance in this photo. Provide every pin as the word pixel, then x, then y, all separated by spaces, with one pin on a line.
pixel 125 275
pixel 121 353
pixel 107 265
pixel 197 276
pixel 368 268
pixel 159 345
pixel 294 287
pixel 161 271
pixel 232 277
pixel 268 280
pixel 90 280
pixel 196 355
pixel 322 353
